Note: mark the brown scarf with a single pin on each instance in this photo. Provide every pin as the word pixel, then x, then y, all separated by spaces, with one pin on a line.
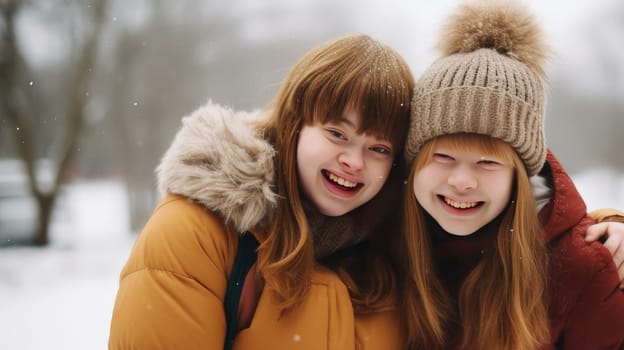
pixel 330 234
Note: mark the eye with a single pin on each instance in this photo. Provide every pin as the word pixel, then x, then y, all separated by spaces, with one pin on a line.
pixel 382 150
pixel 336 134
pixel 442 158
pixel 490 164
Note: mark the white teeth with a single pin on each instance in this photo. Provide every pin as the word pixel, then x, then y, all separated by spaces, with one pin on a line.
pixel 460 205
pixel 341 181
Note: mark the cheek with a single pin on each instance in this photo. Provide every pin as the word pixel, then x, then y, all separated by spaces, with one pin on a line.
pixel 380 173
pixel 305 160
pixel 307 151
pixel 387 168
pixel 504 184
pixel 416 185
pixel 427 178
pixel 419 185
pixel 301 156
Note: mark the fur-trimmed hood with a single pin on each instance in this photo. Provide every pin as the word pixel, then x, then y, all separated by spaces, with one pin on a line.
pixel 220 160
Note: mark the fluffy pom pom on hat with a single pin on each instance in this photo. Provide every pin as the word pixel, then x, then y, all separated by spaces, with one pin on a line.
pixel 490 80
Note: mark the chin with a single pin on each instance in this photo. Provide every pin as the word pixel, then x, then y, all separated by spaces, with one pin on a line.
pixel 462 234
pixel 333 211
pixel 456 231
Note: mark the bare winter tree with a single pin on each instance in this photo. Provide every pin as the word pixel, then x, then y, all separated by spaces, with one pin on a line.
pixel 180 55
pixel 23 104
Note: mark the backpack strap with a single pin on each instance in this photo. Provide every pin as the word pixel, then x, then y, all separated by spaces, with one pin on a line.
pixel 245 258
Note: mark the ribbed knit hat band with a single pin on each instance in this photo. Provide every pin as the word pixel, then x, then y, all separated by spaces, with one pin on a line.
pixel 484 92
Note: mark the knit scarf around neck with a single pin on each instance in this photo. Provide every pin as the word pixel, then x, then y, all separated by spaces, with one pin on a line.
pixel 330 234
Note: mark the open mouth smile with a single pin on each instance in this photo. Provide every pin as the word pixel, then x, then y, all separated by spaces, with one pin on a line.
pixel 340 182
pixel 459 205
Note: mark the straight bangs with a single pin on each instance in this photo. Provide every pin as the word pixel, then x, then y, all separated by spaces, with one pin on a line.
pixel 354 72
pixel 365 76
pixel 486 145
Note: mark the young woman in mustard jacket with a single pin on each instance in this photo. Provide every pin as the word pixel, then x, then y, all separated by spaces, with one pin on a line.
pixel 308 178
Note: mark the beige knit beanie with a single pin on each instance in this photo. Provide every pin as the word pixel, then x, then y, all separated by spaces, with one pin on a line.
pixel 490 80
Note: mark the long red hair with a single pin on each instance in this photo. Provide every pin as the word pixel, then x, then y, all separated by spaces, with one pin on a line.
pixel 502 301
pixel 351 72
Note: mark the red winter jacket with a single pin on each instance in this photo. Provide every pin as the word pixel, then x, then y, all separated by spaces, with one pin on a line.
pixel 587 308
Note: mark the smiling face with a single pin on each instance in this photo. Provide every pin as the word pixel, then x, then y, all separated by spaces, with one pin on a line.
pixel 464 188
pixel 340 169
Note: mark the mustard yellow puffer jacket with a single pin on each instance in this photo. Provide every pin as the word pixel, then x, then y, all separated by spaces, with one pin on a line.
pixel 217 172
pixel 172 289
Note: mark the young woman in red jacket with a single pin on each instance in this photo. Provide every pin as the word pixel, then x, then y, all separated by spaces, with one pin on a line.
pixel 493 244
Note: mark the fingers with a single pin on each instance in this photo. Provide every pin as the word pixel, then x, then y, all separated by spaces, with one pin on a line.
pixel 615 245
pixel 618 258
pixel 594 232
pixel 621 273
pixel 613 233
pixel 617 249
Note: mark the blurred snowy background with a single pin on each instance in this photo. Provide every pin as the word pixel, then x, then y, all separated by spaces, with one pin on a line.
pixel 91 93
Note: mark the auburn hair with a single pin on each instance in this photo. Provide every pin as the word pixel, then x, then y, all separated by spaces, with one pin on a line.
pixel 354 72
pixel 502 303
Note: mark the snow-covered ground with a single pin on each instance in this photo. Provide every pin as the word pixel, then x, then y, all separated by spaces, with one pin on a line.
pixel 61 297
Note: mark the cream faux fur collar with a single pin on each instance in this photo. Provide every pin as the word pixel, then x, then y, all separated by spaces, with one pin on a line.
pixel 219 160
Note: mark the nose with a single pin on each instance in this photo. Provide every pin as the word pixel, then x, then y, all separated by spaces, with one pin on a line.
pixel 352 160
pixel 462 179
